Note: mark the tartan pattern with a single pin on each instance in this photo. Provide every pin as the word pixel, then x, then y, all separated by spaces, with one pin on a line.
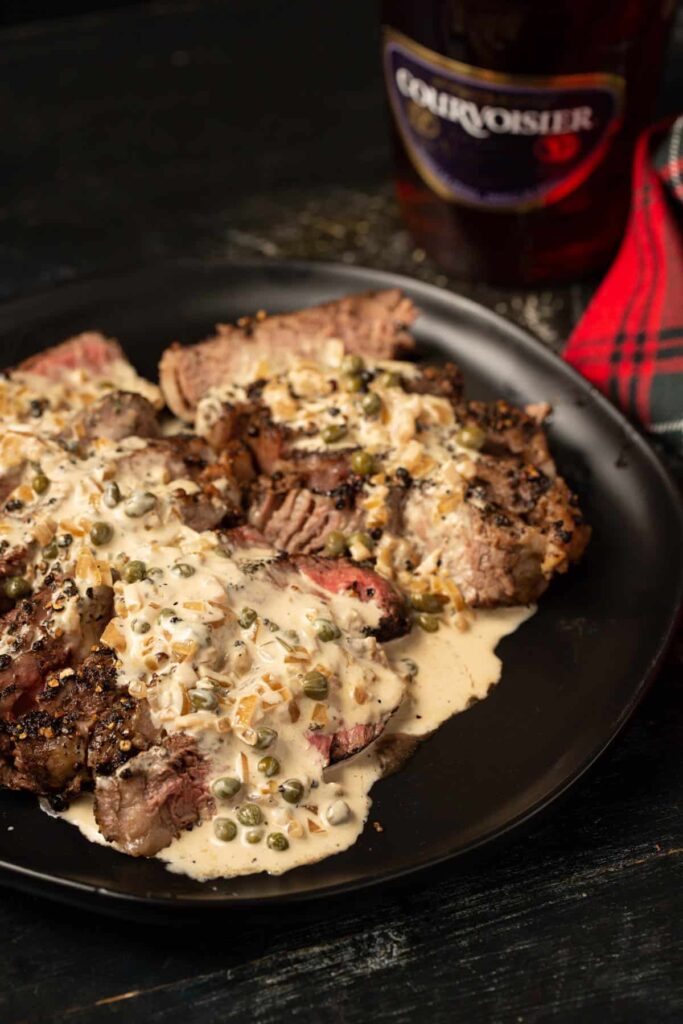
pixel 629 342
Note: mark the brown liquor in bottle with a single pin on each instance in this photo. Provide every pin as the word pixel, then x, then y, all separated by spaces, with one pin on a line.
pixel 514 124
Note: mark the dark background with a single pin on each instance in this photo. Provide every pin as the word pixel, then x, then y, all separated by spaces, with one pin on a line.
pixel 257 128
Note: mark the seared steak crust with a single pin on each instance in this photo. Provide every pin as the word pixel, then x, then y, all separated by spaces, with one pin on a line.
pixel 34 652
pixel 81 723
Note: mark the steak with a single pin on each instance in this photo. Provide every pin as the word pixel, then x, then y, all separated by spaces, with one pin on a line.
pixel 154 797
pixel 374 324
pixel 336 575
pixel 81 723
pixel 347 742
pixel 299 520
pixel 514 530
pixel 508 430
pixel 115 416
pixel 34 648
pixel 99 359
pixel 90 351
pixel 340 576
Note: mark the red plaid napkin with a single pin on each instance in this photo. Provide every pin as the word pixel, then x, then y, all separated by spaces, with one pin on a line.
pixel 629 342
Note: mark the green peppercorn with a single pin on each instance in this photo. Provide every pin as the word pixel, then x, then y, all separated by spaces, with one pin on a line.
pixel 50 552
pixel 247 618
pixel 264 737
pixel 471 437
pixel 203 700
pixel 277 841
pixel 134 571
pixel 112 495
pixel 361 539
pixel 352 382
pixel 326 630
pixel 254 835
pixel 183 569
pixel 390 379
pixel 40 483
pixel 363 463
pixel 315 685
pixel 269 766
pixel 429 623
pixel 352 364
pixel 16 587
pixel 226 787
pixel 332 433
pixel 166 614
pixel 292 790
pixel 140 626
pixel 101 533
pixel 65 540
pixel 224 829
pixel 249 814
pixel 428 602
pixel 371 404
pixel 335 544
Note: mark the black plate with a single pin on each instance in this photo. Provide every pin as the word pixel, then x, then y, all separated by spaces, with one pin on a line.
pixel 572 675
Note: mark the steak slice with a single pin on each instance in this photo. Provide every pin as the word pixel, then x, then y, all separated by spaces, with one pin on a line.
pixel 33 647
pixel 90 351
pixel 347 742
pixel 299 520
pixel 115 416
pixel 219 481
pixel 336 575
pixel 340 576
pixel 81 723
pixel 374 324
pixel 101 360
pixel 516 528
pixel 158 794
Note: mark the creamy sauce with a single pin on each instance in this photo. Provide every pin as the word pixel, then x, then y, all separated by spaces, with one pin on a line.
pixel 454 669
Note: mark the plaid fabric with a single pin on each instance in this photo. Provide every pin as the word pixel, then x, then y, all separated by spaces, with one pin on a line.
pixel 629 342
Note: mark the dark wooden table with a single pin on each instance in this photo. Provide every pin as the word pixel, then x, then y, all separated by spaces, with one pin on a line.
pixel 247 128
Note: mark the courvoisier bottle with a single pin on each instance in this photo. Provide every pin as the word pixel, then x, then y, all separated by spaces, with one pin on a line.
pixel 514 125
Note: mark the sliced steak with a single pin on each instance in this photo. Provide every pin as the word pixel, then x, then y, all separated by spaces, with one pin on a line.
pixel 119 414
pixel 374 324
pixel 219 496
pixel 89 351
pixel 36 644
pixel 81 723
pixel 338 575
pixel 158 794
pixel 101 360
pixel 515 529
pixel 299 520
pixel 346 742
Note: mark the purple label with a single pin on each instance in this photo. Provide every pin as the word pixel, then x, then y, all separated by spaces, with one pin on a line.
pixel 506 142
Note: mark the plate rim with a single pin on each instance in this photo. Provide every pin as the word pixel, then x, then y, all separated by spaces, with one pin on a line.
pixel 61 888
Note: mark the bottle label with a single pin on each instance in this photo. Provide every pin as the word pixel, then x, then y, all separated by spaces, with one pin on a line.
pixel 493 140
